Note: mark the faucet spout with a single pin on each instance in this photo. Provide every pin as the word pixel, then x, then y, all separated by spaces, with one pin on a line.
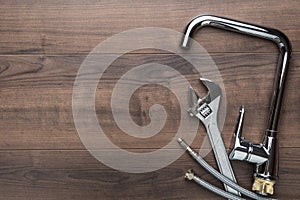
pixel 266 170
pixel 279 38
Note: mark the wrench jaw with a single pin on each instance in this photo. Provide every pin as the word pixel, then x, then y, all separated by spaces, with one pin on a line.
pixel 194 102
pixel 202 107
pixel 214 91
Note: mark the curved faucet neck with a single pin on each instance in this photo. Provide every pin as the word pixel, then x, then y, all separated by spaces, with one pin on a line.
pixel 279 38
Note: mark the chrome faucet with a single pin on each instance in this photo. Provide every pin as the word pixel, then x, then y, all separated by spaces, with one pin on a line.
pixel 265 154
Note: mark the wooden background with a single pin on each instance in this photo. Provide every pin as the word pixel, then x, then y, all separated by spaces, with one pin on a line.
pixel 43 43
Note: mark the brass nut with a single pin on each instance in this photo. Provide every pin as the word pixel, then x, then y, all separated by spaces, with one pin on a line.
pixel 263 186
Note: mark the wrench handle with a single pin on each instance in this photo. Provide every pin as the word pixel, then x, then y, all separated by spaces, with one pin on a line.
pixel 221 156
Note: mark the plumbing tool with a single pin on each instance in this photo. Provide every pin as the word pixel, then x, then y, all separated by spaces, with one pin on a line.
pixel 264 155
pixel 206 110
pixel 218 175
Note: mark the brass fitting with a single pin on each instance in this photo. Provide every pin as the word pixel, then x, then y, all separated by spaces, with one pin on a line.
pixel 189 175
pixel 263 186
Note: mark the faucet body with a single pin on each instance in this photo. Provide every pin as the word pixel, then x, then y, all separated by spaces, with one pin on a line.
pixel 264 155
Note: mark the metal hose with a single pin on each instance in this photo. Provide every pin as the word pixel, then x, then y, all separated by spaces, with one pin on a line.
pixel 218 175
pixel 191 176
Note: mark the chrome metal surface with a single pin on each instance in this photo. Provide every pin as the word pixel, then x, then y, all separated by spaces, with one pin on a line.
pixel 206 109
pixel 245 150
pixel 192 177
pixel 217 174
pixel 258 31
pixel 267 169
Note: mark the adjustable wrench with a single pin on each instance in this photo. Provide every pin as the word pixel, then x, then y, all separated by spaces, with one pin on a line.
pixel 206 110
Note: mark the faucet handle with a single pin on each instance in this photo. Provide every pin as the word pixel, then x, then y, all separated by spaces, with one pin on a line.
pixel 237 136
pixel 238 152
pixel 240 124
pixel 245 150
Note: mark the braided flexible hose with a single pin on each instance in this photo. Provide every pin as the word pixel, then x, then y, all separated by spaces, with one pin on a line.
pixel 218 175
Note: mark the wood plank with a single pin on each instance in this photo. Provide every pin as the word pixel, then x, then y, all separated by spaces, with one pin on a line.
pixel 42 45
pixel 36 99
pixel 59 27
pixel 77 175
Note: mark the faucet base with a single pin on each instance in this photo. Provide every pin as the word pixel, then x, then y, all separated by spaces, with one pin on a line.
pixel 263 186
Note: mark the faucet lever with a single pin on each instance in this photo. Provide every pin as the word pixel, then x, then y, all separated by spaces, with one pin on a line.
pixel 240 123
pixel 245 150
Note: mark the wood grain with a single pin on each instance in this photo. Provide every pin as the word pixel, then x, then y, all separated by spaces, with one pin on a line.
pixel 60 27
pixel 76 175
pixel 42 45
pixel 36 98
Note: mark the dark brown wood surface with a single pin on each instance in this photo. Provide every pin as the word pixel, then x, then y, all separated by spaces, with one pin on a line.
pixel 42 45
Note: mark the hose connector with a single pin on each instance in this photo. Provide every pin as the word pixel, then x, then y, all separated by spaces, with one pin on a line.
pixel 263 186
